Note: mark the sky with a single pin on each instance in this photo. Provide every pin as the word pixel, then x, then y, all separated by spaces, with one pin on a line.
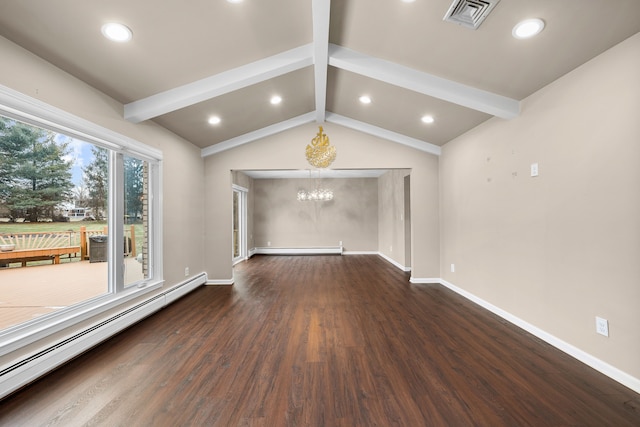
pixel 80 156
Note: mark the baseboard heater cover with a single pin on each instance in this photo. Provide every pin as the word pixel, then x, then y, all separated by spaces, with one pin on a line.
pixel 27 370
pixel 319 250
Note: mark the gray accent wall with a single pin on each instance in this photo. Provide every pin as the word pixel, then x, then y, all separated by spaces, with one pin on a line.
pixel 280 220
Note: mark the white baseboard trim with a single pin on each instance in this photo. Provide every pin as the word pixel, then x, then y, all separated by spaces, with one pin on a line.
pixel 26 370
pixel 394 262
pixel 425 280
pixel 360 253
pixel 611 371
pixel 252 252
pixel 223 282
pixel 239 260
pixel 320 250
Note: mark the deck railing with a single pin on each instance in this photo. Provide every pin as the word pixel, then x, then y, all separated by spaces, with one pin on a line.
pixel 43 245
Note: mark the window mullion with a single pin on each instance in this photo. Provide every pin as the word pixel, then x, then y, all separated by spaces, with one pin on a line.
pixel 116 219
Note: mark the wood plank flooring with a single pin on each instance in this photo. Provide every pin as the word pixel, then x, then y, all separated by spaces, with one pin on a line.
pixel 323 341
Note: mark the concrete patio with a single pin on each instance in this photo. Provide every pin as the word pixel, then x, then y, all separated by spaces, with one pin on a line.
pixel 29 292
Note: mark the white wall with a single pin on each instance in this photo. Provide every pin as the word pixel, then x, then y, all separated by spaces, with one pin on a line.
pixel 559 249
pixel 391 216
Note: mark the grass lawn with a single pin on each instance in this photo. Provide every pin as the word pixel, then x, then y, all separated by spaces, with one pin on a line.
pixel 26 227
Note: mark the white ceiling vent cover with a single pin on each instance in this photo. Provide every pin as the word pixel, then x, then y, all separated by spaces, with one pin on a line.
pixel 469 13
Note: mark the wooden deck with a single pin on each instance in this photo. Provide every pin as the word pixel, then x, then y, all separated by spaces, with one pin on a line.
pixel 29 292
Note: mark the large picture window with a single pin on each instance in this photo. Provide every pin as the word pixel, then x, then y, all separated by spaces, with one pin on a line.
pixel 78 214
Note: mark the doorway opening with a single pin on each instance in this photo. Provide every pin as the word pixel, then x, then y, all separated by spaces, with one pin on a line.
pixel 239 224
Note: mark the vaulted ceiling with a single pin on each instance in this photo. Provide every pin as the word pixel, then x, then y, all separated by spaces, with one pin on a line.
pixel 191 60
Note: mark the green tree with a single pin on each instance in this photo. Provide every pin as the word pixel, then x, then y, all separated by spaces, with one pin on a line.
pixel 6 163
pixel 133 187
pixel 80 196
pixel 35 176
pixel 96 179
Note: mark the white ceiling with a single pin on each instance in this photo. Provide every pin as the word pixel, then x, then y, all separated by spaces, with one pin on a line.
pixel 190 60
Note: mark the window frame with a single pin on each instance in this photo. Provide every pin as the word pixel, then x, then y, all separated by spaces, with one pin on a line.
pixel 242 224
pixel 18 106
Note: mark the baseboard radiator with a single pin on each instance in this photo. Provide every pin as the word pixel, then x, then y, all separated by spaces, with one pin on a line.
pixel 319 250
pixel 33 367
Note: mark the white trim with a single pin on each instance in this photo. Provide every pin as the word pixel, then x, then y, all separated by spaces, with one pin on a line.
pixel 360 253
pixel 29 332
pixel 242 223
pixel 223 282
pixel 251 253
pixel 257 134
pixel 319 250
pixel 394 262
pixel 320 10
pixel 35 112
pixel 239 260
pixel 331 118
pixel 384 133
pixel 22 107
pixel 156 192
pixel 19 373
pixel 219 84
pixel 421 82
pixel 116 225
pixel 239 188
pixel 586 358
pixel 427 280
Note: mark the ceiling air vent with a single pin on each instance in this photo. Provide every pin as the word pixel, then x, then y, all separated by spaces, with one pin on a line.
pixel 469 13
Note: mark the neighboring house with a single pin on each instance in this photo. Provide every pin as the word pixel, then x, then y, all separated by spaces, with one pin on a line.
pixel 78 214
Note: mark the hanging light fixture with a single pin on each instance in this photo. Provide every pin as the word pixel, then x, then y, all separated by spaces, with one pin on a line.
pixel 317 195
pixel 320 153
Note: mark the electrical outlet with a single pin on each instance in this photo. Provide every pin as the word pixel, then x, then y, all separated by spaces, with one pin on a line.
pixel 340 243
pixel 534 169
pixel 602 326
pixel 453 268
pixel 186 271
pixel 268 243
pixel 390 248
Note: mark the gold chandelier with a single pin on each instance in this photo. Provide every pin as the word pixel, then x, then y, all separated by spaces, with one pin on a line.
pixel 320 153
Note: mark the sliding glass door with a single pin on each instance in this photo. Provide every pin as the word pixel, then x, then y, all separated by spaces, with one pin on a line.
pixel 239 239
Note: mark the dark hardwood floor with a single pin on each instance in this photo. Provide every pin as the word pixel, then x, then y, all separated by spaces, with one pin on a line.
pixel 323 341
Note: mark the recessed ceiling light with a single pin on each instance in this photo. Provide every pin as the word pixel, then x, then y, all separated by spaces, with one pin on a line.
pixel 214 120
pixel 427 119
pixel 117 32
pixel 365 99
pixel 275 100
pixel 527 28
pixel 408 1
pixel 234 1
